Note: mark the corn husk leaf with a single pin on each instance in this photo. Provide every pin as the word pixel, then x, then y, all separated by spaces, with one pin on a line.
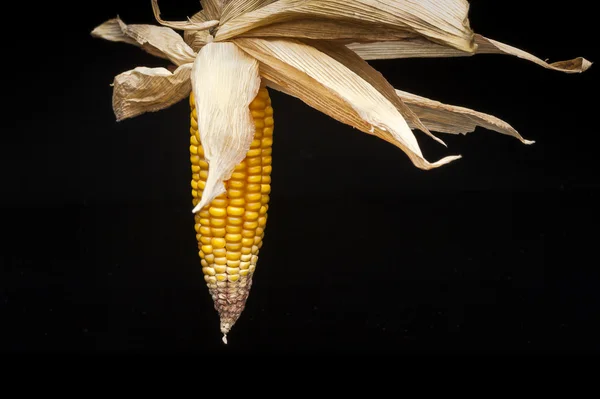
pixel 330 87
pixel 225 80
pixel 444 21
pixel 234 8
pixel 319 28
pixel 159 41
pixel 452 119
pixel 373 77
pixel 144 90
pixel 212 8
pixel 182 25
pixel 422 48
pixel 197 39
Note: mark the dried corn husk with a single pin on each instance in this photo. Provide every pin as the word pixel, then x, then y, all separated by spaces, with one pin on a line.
pixel 182 25
pixel 225 80
pixel 443 21
pixel 159 41
pixel 452 119
pixel 235 8
pixel 144 90
pixel 423 48
pixel 329 86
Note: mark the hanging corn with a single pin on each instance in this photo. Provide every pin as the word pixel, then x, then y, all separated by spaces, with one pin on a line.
pixel 315 50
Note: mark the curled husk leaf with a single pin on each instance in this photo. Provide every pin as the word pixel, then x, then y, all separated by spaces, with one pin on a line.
pixel 332 88
pixel 225 80
pixel 442 21
pixel 149 89
pixel 182 25
pixel 159 41
pixel 452 119
pixel 423 48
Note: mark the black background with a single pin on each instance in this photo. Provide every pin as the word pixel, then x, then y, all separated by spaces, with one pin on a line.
pixel 363 252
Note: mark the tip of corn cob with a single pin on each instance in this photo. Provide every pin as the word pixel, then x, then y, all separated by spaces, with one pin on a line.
pixel 225 327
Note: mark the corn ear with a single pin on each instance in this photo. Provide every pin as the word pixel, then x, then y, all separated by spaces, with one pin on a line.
pixel 231 228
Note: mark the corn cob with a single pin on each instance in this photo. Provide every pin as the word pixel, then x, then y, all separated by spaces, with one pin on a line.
pixel 230 229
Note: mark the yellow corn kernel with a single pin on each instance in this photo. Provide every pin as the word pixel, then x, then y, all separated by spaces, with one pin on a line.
pixel 248 234
pixel 233 230
pixel 237 184
pixel 234 220
pixel 233 248
pixel 233 256
pixel 253 206
pixel 237 202
pixel 254 179
pixel 219 202
pixel 258 104
pixel 250 225
pixel 254 152
pixel 218 232
pixel 220 269
pixel 204 221
pixel 255 170
pixel 249 215
pixel 244 265
pixel 218 242
pixel 217 222
pixel 235 211
pixel 256 161
pixel 233 237
pixel 253 197
pixel 219 252
pixel 254 188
